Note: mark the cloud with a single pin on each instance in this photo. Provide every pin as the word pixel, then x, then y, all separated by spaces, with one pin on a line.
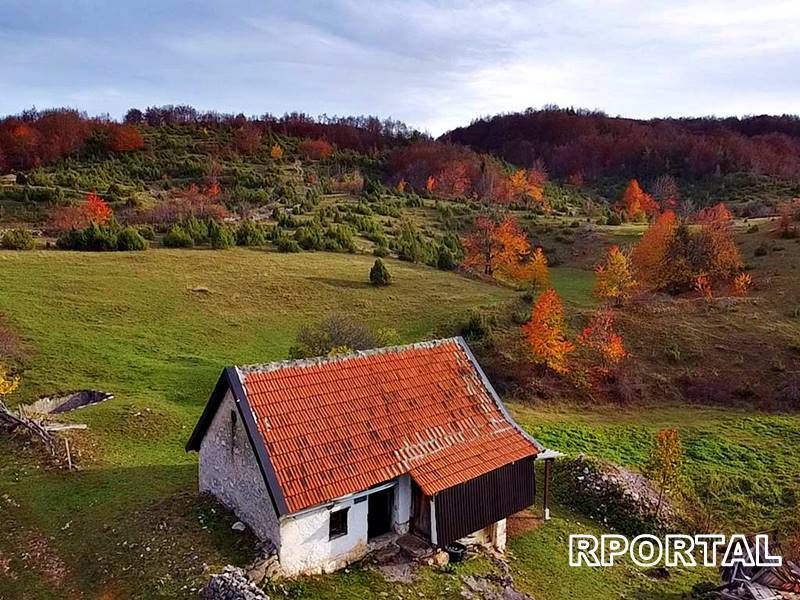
pixel 435 64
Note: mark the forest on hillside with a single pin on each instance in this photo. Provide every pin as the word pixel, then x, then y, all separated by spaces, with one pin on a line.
pixel 582 144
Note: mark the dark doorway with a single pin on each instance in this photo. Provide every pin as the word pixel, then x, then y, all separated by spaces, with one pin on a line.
pixel 421 512
pixel 379 513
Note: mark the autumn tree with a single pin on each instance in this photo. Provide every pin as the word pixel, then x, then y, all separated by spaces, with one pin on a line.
pixel 636 204
pixel 649 257
pixel 537 273
pixel 7 383
pixel 527 187
pixel 717 231
pixel 276 152
pixel 664 463
pixel 401 186
pixel 124 138
pixel 603 343
pixel 430 184
pixel 496 247
pixel 613 278
pixel 247 138
pixel 96 209
pixel 315 149
pixel 544 333
pixel 741 284
pixel 453 181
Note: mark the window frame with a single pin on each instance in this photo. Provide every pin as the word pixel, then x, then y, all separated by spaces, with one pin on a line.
pixel 338 513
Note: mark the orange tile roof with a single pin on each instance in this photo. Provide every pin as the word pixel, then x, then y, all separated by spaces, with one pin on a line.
pixel 335 426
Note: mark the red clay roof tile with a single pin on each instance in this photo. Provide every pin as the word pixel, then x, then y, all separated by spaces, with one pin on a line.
pixel 343 424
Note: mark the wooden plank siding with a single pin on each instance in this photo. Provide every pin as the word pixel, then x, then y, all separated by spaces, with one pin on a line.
pixel 479 502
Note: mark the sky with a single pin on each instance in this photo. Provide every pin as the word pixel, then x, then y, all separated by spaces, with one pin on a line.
pixel 433 64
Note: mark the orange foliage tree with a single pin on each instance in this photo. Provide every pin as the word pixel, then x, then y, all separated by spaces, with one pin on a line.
pixel 94 209
pixel 544 333
pixel 650 255
pixel 536 272
pixel 401 186
pixel 496 247
pixel 453 181
pixel 603 342
pixel 315 149
pixel 636 204
pixel 741 284
pixel 124 138
pixel 276 152
pixel 717 229
pixel 97 210
pixel 430 183
pixel 527 187
pixel 613 279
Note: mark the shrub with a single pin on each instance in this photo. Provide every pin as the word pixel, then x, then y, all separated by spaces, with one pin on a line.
pixel 17 239
pixel 196 229
pixel 147 232
pixel 220 236
pixel 381 251
pixel 177 237
pixel 614 219
pixel 379 274
pixel 444 259
pixel 250 233
pixel 286 244
pixel 478 325
pixel 129 240
pixel 753 228
pixel 761 250
pixel 94 238
pixel 335 331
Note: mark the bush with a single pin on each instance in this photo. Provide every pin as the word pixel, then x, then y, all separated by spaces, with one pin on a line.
pixel 94 238
pixel 614 219
pixel 761 250
pixel 379 274
pixel 250 233
pixel 381 251
pixel 286 244
pixel 753 228
pixel 478 325
pixel 335 331
pixel 444 259
pixel 130 240
pixel 196 229
pixel 147 232
pixel 17 239
pixel 220 236
pixel 177 237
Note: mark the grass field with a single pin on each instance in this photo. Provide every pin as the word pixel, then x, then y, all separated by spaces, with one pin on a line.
pixel 155 328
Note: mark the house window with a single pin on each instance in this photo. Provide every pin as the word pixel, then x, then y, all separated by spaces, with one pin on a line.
pixel 338 523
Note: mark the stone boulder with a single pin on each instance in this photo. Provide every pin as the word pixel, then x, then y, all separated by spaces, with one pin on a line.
pixel 232 584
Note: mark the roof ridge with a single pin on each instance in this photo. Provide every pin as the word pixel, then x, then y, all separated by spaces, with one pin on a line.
pixel 244 370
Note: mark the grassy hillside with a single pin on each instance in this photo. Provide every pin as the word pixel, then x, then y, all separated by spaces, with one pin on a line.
pixel 155 329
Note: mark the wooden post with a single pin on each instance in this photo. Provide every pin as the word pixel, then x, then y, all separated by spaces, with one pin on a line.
pixel 548 463
pixel 69 456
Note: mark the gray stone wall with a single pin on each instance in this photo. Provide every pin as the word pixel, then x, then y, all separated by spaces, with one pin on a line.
pixel 229 471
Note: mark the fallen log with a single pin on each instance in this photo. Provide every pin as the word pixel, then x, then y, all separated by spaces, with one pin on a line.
pixel 12 421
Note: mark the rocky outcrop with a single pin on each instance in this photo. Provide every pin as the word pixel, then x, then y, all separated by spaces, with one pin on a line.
pixel 232 584
pixel 618 497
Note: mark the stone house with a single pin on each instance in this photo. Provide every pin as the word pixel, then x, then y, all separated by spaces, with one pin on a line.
pixel 326 458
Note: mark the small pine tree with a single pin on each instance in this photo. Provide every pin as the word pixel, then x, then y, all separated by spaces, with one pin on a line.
pixel 220 236
pixel 379 274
